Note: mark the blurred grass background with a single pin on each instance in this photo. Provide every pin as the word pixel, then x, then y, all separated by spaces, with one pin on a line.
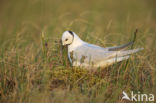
pixel 34 69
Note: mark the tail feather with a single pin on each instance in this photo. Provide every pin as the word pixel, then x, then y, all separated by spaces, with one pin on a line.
pixel 114 54
pixel 128 52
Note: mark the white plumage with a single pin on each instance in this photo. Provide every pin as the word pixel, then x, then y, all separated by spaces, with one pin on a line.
pixel 87 55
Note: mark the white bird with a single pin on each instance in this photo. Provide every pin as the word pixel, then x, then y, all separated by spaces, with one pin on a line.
pixel 87 55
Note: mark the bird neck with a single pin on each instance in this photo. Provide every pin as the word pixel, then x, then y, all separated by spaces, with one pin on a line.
pixel 76 42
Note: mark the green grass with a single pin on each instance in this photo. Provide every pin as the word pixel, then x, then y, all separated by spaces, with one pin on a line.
pixel 34 68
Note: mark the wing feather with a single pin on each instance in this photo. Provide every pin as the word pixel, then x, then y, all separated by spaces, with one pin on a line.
pixel 96 54
pixel 116 48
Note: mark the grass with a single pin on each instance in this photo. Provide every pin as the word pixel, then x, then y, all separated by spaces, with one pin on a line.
pixel 34 68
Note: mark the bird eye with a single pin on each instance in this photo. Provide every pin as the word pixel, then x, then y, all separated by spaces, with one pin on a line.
pixel 66 39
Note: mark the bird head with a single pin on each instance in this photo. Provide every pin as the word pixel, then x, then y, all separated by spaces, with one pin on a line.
pixel 67 38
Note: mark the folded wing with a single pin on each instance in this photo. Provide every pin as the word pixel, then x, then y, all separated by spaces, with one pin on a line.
pixel 96 55
pixel 116 48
